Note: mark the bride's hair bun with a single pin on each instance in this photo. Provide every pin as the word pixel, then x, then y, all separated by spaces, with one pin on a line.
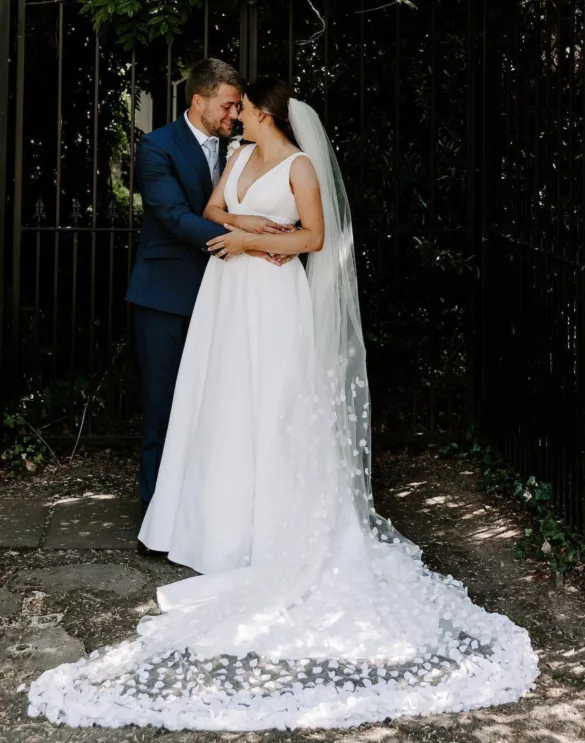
pixel 272 96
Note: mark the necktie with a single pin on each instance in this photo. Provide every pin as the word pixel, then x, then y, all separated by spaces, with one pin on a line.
pixel 211 152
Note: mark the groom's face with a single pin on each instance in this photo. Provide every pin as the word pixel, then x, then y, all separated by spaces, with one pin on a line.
pixel 220 111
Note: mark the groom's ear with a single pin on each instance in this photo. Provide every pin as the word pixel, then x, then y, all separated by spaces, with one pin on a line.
pixel 196 101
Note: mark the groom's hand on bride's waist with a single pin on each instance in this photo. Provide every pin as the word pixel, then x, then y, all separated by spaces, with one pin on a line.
pixel 280 260
pixel 259 225
pixel 276 260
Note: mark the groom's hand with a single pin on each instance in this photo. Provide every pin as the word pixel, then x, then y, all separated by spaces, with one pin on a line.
pixel 264 256
pixel 259 225
pixel 280 260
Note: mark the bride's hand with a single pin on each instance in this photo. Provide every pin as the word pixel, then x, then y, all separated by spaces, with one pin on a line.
pixel 265 256
pixel 258 225
pixel 227 246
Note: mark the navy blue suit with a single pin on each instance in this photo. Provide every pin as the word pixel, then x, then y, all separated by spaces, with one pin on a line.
pixel 175 185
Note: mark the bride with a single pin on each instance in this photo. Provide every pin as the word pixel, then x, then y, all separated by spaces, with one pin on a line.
pixel 312 611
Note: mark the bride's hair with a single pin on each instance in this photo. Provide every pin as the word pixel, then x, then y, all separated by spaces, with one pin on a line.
pixel 272 96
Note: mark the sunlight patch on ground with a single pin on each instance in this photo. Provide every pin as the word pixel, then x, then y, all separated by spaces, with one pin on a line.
pixel 473 514
pixel 411 488
pixel 496 532
pixel 437 500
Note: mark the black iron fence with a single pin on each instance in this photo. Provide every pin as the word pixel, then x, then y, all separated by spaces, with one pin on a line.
pixel 460 128
pixel 533 405
pixel 397 90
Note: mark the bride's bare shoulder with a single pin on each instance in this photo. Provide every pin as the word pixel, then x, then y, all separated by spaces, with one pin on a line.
pixel 302 173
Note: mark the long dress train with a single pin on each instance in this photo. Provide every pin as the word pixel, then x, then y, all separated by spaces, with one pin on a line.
pixel 303 617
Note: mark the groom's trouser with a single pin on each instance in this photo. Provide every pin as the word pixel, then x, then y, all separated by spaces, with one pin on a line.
pixel 160 338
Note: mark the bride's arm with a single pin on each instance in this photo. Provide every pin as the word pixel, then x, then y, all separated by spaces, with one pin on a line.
pixel 216 209
pixel 308 239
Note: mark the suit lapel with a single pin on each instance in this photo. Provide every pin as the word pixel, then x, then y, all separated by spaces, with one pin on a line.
pixel 194 155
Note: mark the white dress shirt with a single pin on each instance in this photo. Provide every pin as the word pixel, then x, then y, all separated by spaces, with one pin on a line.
pixel 202 138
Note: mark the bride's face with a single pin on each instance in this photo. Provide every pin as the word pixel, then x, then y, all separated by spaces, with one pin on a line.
pixel 249 116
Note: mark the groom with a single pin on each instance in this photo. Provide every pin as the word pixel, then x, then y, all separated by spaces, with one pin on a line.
pixel 178 165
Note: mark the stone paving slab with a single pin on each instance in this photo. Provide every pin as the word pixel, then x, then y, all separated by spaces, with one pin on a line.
pixel 22 523
pixel 38 649
pixel 9 603
pixel 94 523
pixel 88 576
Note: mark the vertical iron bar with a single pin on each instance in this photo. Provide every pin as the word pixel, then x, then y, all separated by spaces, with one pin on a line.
pixel 548 404
pixel 449 375
pixel 571 206
pixel 581 315
pixel 508 222
pixel 538 365
pixel 561 312
pixel 536 118
pixel 527 122
pixel 4 102
pixel 517 129
pixel 291 42
pixel 37 297
pixel 110 312
pixel 362 115
pixel 432 399
pixel 522 360
pixel 507 216
pixel 326 60
pixel 432 122
pixel 561 250
pixel 565 432
pixel 580 407
pixel 206 31
pixel 169 82
pixel 573 431
pixel 253 15
pixel 55 344
pixel 244 37
pixel 128 384
pixel 397 158
pixel 472 231
pixel 17 208
pixel 94 208
pixel 73 400
pixel 580 255
pixel 484 244
pixel 415 390
pixel 547 60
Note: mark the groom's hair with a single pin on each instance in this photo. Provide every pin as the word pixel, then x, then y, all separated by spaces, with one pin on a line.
pixel 206 77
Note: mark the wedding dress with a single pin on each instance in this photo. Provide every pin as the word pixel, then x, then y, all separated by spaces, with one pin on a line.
pixel 313 611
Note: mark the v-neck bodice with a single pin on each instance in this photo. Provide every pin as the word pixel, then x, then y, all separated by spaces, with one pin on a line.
pixel 269 195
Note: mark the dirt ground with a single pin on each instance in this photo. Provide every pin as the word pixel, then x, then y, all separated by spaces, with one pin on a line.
pixel 434 502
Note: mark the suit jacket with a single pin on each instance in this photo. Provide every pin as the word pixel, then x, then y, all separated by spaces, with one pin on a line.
pixel 175 184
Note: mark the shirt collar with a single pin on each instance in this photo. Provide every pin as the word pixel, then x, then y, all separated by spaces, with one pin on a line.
pixel 201 136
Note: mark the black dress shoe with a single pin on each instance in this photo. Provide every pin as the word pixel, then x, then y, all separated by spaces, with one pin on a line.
pixel 145 551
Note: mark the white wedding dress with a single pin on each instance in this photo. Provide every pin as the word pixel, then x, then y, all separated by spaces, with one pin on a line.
pixel 305 617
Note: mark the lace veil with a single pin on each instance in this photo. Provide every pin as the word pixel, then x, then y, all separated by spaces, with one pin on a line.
pixel 339 338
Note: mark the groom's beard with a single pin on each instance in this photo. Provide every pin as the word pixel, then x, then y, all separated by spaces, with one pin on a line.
pixel 217 128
